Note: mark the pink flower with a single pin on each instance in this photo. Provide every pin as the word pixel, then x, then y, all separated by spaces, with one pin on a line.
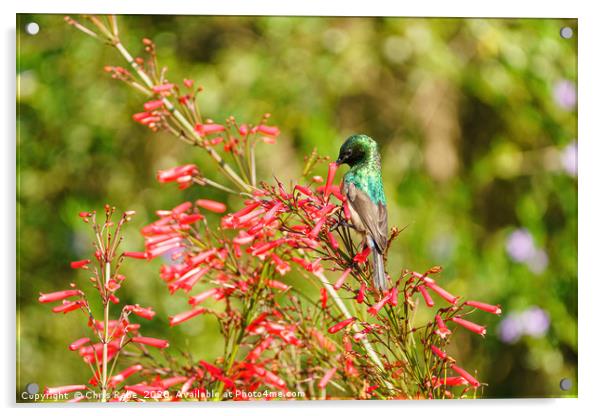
pixel 68 306
pixel 373 310
pixel 426 296
pixel 276 284
pixel 323 297
pixel 146 313
pixel 282 267
pixel 162 88
pixel 438 352
pixel 188 83
pixel 54 296
pixel 135 254
pixel 153 105
pixel 185 316
pixel 195 300
pixel 204 129
pixel 326 379
pixel 332 170
pixel 268 130
pixel 76 345
pixel 339 283
pixel 80 264
pixel 210 205
pixel 334 244
pixel 471 326
pixel 442 330
pixel 440 291
pixel 53 391
pixel 450 381
pixel 393 294
pixel 337 327
pixel 466 375
pixel 144 390
pixel 120 378
pixel 362 256
pixel 495 309
pixel 153 342
pixel 361 294
pixel 173 174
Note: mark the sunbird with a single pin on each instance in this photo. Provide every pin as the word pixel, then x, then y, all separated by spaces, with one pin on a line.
pixel 363 187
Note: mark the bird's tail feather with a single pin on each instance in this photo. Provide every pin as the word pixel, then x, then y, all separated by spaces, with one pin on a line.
pixel 379 277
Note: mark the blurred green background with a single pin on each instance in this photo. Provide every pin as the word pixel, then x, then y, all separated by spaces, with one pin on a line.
pixel 477 120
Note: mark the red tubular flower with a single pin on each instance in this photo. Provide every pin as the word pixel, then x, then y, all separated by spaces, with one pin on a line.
pixel 466 375
pixel 205 129
pixel 80 264
pixel 393 294
pixel 180 209
pixel 153 342
pixel 54 296
pixel 282 267
pixel 326 379
pixel 68 306
pixel 362 256
pixel 173 174
pixel 338 326
pixel 53 391
pixel 163 88
pixel 153 105
pixel 373 310
pixel 120 378
pixel 471 326
pixel 438 352
pixel 268 130
pixel 195 300
pixel 277 284
pixel 339 283
pixel 172 381
pixel 495 309
pixel 76 345
pixel 442 330
pixel 449 381
pixel 440 291
pixel 144 390
pixel 427 297
pixel 256 352
pixel 323 297
pixel 304 190
pixel 346 211
pixel 332 170
pixel 135 254
pixel 185 316
pixel 334 244
pixel 146 313
pixel 210 205
pixel 361 294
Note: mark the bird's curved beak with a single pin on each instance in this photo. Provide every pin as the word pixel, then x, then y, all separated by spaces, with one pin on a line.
pixel 339 161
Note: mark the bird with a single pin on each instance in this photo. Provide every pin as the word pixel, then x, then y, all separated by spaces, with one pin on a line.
pixel 364 191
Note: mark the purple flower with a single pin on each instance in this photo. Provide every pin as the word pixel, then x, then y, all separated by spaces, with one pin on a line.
pixel 535 322
pixel 565 94
pixel 520 245
pixel 568 158
pixel 538 262
pixel 510 329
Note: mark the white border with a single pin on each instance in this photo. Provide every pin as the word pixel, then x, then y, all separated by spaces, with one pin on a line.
pixel 590 207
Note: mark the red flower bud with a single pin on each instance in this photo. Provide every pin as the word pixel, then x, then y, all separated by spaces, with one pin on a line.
pixel 54 296
pixel 341 279
pixel 326 379
pixel 210 205
pixel 76 345
pixel 495 309
pixel 80 264
pixel 153 342
pixel 337 327
pixel 185 316
pixel 471 326
pixel 466 375
pixel 427 297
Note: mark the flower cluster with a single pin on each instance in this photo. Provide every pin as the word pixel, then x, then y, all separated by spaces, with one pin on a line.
pixel 343 338
pixel 106 338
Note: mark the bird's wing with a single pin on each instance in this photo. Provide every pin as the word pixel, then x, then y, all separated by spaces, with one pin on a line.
pixel 373 216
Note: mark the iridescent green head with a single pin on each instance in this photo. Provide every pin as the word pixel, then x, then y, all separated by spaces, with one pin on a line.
pixel 357 149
